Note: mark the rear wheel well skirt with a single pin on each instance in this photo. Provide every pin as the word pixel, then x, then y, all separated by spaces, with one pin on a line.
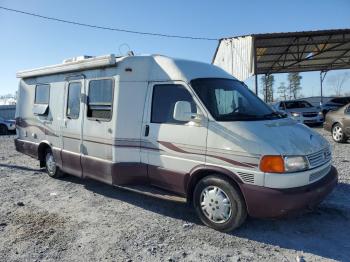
pixel 199 172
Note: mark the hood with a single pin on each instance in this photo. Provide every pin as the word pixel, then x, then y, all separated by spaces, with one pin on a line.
pixel 271 137
pixel 303 110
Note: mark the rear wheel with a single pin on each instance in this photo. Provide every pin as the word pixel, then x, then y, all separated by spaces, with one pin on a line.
pixel 219 203
pixel 3 130
pixel 50 165
pixel 338 134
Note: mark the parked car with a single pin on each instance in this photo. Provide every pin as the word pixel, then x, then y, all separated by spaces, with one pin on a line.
pixel 334 104
pixel 301 111
pixel 338 122
pixel 6 126
pixel 186 127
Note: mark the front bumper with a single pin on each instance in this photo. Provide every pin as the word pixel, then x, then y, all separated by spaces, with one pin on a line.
pixel 266 202
pixel 309 120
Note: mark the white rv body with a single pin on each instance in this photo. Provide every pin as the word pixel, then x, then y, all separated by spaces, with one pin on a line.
pixel 126 147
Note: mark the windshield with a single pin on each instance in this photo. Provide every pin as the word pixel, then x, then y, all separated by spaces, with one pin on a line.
pixel 297 104
pixel 230 100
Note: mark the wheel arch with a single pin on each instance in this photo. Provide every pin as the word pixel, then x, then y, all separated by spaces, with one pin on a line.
pixel 336 122
pixel 43 146
pixel 199 172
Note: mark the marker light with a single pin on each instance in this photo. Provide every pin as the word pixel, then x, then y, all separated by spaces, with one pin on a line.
pixel 272 164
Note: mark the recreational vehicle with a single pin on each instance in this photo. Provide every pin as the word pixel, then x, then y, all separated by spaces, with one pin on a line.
pixel 186 128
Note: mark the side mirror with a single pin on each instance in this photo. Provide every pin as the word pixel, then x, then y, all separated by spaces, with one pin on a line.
pixel 182 111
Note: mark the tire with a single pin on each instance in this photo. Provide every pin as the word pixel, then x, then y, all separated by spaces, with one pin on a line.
pixel 50 165
pixel 338 134
pixel 219 203
pixel 3 130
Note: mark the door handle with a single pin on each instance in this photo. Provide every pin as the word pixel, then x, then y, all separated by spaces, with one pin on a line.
pixel 146 130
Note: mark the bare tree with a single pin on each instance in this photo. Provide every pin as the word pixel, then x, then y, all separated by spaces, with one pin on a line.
pixel 294 85
pixel 337 82
pixel 268 82
pixel 282 91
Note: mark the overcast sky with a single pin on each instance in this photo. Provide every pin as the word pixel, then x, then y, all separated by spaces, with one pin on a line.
pixel 29 42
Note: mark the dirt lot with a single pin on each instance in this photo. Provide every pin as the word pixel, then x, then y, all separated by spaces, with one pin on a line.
pixel 43 219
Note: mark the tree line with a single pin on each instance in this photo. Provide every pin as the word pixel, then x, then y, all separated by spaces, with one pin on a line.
pixel 292 90
pixel 285 92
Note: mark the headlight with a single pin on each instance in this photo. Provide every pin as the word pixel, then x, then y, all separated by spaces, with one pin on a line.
pixel 279 164
pixel 320 113
pixel 295 114
pixel 295 163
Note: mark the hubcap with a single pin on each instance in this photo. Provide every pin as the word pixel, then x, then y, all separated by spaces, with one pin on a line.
pixel 50 163
pixel 215 204
pixel 337 133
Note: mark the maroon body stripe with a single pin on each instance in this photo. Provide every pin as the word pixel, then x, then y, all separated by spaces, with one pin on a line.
pixel 231 161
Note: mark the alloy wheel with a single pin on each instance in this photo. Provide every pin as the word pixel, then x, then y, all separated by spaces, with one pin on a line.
pixel 337 133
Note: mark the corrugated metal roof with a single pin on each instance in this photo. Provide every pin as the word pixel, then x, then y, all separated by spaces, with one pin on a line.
pixel 272 53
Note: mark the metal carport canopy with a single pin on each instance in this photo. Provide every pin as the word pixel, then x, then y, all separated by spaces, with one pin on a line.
pixel 249 55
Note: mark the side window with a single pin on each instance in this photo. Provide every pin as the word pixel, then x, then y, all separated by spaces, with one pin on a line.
pixel 164 100
pixel 100 99
pixel 73 100
pixel 42 94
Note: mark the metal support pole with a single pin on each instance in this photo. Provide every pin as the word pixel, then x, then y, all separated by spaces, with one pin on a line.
pixel 321 101
pixel 322 77
pixel 256 84
pixel 266 76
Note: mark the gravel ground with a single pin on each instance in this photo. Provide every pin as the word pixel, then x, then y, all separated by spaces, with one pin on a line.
pixel 43 219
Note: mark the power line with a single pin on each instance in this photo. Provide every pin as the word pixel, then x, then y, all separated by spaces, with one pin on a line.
pixel 107 28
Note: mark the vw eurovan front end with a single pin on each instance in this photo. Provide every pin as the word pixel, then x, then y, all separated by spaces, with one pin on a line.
pixel 282 166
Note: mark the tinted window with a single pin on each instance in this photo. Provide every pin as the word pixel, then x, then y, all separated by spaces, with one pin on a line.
pixel 297 104
pixel 341 100
pixel 42 94
pixel 338 100
pixel 163 102
pixel 100 99
pixel 73 101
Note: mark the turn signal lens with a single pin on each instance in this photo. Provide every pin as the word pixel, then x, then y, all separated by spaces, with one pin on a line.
pixel 272 164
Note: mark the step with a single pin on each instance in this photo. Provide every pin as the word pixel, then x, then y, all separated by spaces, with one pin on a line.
pixel 154 192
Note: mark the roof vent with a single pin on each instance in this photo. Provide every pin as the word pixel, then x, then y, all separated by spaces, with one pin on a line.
pixel 77 58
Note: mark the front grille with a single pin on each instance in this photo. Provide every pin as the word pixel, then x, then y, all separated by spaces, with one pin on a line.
pixel 309 114
pixel 247 178
pixel 320 157
pixel 319 174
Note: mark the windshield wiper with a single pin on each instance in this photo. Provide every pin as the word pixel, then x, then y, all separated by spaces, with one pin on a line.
pixel 238 117
pixel 272 114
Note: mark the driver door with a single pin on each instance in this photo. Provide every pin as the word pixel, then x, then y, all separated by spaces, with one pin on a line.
pixel 173 147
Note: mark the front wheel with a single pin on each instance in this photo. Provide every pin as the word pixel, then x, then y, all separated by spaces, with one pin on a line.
pixel 50 165
pixel 338 134
pixel 219 203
